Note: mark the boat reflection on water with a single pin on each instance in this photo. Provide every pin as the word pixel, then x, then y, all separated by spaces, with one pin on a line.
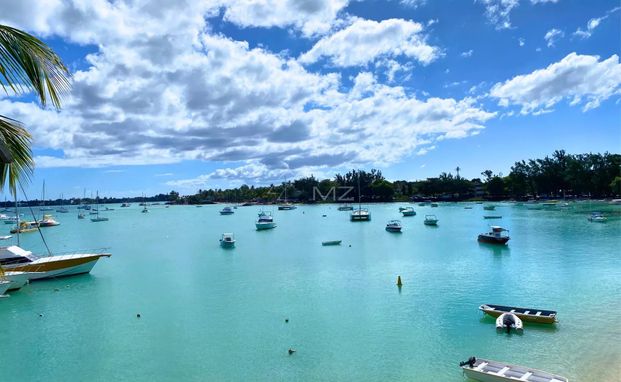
pixel 495 249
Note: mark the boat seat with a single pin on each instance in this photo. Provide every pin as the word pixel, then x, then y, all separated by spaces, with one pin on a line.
pixel 526 376
pixel 512 311
pixel 526 312
pixel 538 314
pixel 503 370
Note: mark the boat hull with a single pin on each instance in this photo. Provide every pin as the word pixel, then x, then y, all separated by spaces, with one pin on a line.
pixel 393 229
pixel 431 222
pixel 227 244
pixel 264 226
pixel 57 266
pixel 4 286
pixel 17 279
pixel 493 240
pixel 540 319
pixel 493 371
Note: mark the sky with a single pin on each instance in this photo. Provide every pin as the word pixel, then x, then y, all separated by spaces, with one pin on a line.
pixel 182 95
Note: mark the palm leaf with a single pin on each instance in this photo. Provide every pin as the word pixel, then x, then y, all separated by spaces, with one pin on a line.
pixel 27 64
pixel 16 140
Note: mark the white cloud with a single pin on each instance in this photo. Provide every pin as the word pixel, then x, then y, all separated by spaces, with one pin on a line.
pixel 552 36
pixel 467 53
pixel 162 88
pixel 413 3
pixel 594 23
pixel 543 1
pixel 430 22
pixel 521 41
pixel 498 11
pixel 311 17
pixel 580 79
pixel 366 40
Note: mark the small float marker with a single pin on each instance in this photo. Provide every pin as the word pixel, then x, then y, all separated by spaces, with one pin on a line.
pixel 399 283
pixel 291 351
pixel 138 315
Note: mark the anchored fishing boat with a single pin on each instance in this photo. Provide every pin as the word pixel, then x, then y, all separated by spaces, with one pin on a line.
pixel 227 240
pixel 486 370
pixel 265 221
pixel 394 226
pixel 497 235
pixel 525 314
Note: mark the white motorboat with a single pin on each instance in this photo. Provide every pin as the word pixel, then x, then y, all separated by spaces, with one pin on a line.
pixel 265 221
pixel 431 220
pixel 4 286
pixel 227 211
pixel 408 211
pixel 227 240
pixel 17 279
pixel 48 221
pixel 485 370
pixel 597 217
pixel 17 259
pixel 508 321
pixel 394 226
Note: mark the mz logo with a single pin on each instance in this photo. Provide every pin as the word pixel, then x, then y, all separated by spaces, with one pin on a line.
pixel 332 191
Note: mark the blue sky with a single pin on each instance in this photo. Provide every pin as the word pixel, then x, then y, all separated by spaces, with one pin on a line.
pixel 219 93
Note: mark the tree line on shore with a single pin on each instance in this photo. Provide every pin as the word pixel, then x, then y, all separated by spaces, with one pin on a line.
pixel 560 175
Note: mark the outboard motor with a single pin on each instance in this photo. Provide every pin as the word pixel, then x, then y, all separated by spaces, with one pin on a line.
pixel 470 362
pixel 508 321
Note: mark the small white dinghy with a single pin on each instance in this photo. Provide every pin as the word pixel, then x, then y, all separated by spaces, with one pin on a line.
pixel 508 321
pixel 486 370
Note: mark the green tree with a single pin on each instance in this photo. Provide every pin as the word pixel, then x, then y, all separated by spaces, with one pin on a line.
pixel 26 65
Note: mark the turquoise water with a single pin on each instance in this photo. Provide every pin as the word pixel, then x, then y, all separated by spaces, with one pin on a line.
pixel 213 314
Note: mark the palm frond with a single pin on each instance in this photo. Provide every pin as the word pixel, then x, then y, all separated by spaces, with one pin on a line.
pixel 27 64
pixel 16 140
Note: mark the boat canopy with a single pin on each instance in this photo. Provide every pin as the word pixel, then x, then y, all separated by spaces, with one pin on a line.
pixel 496 228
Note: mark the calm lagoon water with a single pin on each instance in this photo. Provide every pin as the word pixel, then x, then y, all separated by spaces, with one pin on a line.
pixel 213 314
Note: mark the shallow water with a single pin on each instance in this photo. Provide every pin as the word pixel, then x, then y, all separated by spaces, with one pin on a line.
pixel 213 314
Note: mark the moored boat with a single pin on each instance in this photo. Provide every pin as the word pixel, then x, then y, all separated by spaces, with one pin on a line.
pixel 408 211
pixel 48 221
pixel 360 215
pixel 492 217
pixel 597 217
pixel 394 226
pixel 541 316
pixel 227 211
pixel 345 207
pixel 24 227
pixel 489 207
pixel 287 207
pixel 486 370
pixel 431 220
pixel 434 204
pixel 497 235
pixel 265 221
pixel 4 286
pixel 331 242
pixel 508 321
pixel 227 240
pixel 17 259
pixel 17 279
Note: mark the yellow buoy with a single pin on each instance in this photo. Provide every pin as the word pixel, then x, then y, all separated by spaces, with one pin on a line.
pixel 399 283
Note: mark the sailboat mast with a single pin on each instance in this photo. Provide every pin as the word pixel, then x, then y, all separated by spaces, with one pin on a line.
pixel 17 218
pixel 359 203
